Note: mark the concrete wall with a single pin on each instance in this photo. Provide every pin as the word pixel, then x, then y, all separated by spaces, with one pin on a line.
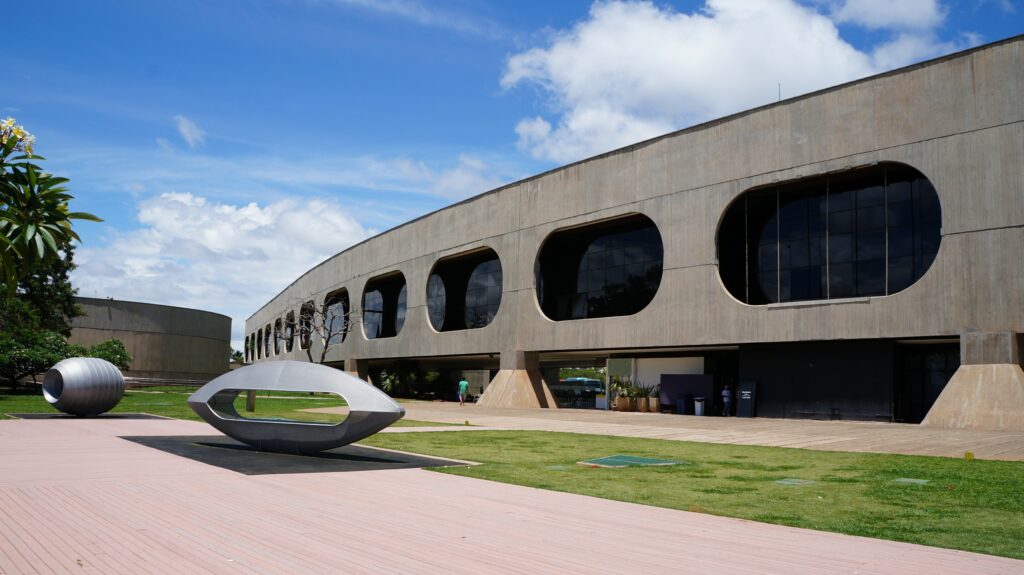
pixel 959 120
pixel 165 342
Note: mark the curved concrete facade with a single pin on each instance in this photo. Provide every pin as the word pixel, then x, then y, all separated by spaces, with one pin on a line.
pixel 165 342
pixel 958 120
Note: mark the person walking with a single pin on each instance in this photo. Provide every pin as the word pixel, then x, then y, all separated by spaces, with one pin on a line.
pixel 726 401
pixel 463 391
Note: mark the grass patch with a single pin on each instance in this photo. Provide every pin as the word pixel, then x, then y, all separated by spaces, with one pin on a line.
pixel 171 402
pixel 970 505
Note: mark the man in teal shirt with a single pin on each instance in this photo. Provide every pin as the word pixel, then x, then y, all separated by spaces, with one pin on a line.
pixel 463 391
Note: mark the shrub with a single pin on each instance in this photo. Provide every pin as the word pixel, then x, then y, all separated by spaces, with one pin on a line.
pixel 112 350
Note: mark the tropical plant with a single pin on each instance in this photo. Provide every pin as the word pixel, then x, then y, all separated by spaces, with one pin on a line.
pixel 35 221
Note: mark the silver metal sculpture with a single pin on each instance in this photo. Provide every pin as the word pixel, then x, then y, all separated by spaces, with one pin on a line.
pixel 83 386
pixel 370 410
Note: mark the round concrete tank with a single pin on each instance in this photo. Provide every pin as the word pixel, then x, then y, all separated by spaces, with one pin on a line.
pixel 83 386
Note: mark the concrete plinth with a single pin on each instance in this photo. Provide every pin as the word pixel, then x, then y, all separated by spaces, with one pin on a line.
pixel 987 397
pixel 987 391
pixel 518 383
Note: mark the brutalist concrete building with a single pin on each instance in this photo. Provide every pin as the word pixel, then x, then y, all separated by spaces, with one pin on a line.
pixel 168 344
pixel 857 252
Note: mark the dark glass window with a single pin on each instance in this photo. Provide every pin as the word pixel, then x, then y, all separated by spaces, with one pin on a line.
pixel 277 336
pixel 464 291
pixel 259 343
pixel 306 324
pixel 266 340
pixel 436 299
pixel 867 232
pixel 606 269
pixel 384 306
pixel 289 331
pixel 336 308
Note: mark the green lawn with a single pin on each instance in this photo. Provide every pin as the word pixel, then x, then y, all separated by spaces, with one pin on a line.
pixel 171 402
pixel 970 505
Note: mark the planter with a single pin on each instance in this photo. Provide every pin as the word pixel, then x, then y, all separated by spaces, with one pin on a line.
pixel 654 404
pixel 622 403
pixel 641 404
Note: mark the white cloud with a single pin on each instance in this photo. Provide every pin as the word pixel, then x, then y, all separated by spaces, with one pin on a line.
pixel 470 177
pixel 899 14
pixel 194 252
pixel 190 131
pixel 431 15
pixel 634 70
pixel 907 48
pixel 164 146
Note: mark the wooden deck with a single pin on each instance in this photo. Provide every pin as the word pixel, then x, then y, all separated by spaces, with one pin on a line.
pixel 76 498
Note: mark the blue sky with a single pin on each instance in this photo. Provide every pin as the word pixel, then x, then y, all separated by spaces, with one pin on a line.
pixel 231 145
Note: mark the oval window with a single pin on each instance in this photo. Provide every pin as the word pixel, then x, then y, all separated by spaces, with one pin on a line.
pixel 871 231
pixel 603 269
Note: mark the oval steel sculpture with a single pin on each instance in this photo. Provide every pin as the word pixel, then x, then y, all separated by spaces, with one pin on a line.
pixel 83 386
pixel 370 410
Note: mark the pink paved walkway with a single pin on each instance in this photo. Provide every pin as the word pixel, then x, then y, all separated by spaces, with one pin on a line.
pixel 75 498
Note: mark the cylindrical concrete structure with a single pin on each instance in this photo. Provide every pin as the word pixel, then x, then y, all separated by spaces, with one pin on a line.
pixel 83 386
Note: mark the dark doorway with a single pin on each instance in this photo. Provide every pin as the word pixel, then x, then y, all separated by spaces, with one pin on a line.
pixel 922 373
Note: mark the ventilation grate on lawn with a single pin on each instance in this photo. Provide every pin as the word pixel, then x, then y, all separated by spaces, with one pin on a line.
pixel 617 461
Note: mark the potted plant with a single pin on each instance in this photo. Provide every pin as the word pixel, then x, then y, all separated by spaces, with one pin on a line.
pixel 640 394
pixel 654 399
pixel 620 387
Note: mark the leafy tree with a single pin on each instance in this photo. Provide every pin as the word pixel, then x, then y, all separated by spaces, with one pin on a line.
pixel 25 349
pixel 237 356
pixel 48 290
pixel 35 221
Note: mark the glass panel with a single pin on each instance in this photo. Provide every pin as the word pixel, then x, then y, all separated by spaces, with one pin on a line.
pixel 336 317
pixel 373 313
pixel 400 309
pixel 436 301
pixel 483 294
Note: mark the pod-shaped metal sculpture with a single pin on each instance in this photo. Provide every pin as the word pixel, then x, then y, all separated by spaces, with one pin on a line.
pixel 370 410
pixel 83 386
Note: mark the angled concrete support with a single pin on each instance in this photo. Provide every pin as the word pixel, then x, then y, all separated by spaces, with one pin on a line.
pixel 518 383
pixel 987 391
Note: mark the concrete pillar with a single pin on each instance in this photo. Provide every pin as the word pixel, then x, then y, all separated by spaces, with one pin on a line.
pixel 987 391
pixel 518 383
pixel 358 368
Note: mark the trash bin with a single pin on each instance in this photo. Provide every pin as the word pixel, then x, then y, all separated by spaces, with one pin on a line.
pixel 698 405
